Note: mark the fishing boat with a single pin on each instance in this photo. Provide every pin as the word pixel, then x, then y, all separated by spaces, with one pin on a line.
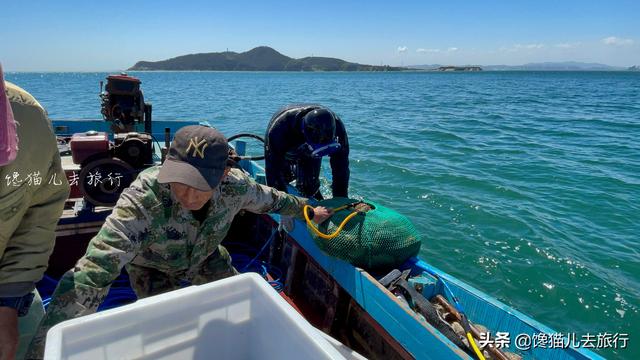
pixel 414 311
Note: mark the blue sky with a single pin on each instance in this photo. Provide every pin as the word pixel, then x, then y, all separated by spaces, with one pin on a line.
pixel 113 35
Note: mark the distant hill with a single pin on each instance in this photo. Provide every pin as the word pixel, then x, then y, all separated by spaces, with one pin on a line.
pixel 634 68
pixel 546 66
pixel 262 58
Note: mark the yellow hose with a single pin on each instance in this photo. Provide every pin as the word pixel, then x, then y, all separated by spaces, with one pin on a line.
pixel 474 346
pixel 335 233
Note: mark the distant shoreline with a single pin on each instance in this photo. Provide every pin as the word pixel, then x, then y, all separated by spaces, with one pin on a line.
pixel 301 72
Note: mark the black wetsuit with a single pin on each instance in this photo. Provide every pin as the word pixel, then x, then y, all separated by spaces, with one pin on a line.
pixel 286 159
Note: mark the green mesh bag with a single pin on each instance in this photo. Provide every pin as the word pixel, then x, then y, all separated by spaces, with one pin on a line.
pixel 375 238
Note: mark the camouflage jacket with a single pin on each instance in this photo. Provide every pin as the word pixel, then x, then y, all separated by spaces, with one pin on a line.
pixel 150 228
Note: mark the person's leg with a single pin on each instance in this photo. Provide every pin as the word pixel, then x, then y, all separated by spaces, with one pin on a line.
pixel 218 266
pixel 27 325
pixel 308 177
pixel 147 281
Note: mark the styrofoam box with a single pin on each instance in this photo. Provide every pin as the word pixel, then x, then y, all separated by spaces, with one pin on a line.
pixel 240 317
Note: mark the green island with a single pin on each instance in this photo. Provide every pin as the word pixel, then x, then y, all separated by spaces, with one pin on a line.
pixel 262 58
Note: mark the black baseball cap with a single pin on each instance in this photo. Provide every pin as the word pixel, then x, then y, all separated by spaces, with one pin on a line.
pixel 197 157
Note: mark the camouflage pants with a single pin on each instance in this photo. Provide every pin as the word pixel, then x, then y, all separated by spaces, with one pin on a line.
pixel 147 281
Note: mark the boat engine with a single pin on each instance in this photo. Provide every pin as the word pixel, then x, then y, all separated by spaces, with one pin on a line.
pixel 108 167
pixel 123 104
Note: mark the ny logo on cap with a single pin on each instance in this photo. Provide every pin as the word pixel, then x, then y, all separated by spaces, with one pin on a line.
pixel 198 147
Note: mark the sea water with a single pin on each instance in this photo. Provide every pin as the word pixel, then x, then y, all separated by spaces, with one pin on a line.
pixel 524 184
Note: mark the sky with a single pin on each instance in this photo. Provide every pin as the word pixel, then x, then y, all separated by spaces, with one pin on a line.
pixel 113 35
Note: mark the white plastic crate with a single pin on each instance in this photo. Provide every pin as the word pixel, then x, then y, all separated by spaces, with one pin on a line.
pixel 240 317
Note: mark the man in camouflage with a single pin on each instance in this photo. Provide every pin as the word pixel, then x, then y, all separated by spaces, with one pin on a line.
pixel 167 227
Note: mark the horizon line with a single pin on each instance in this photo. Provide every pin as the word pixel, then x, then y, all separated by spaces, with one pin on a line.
pixel 621 67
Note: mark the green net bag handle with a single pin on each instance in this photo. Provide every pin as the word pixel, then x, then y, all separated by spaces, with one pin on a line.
pixel 315 230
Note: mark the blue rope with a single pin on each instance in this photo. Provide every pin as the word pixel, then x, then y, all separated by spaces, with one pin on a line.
pixel 244 263
pixel 447 289
pixel 46 286
pixel 273 235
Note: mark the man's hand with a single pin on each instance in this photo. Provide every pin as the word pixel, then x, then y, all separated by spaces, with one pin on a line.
pixel 8 333
pixel 286 223
pixel 321 213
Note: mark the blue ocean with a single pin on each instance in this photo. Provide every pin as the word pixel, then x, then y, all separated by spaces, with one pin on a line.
pixel 524 184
